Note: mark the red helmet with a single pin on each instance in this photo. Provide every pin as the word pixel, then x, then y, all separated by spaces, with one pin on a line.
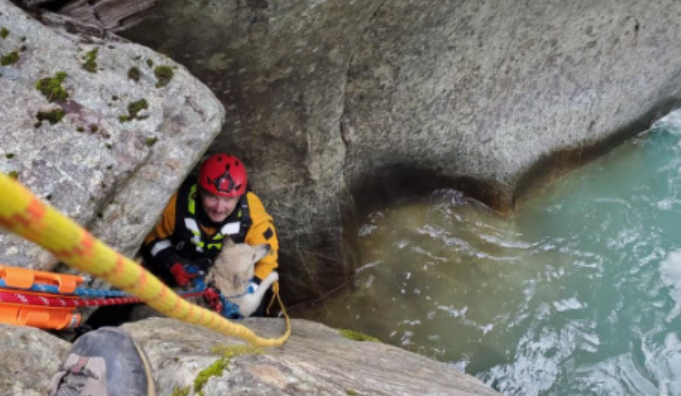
pixel 223 175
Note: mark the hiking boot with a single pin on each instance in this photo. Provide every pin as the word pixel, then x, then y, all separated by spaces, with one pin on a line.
pixel 105 362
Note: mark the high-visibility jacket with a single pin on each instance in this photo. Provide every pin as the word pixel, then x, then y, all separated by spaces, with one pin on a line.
pixel 180 230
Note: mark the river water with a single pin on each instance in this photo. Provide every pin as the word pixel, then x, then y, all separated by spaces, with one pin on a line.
pixel 576 293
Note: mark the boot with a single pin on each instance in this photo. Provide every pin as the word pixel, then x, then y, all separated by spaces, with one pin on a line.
pixel 105 362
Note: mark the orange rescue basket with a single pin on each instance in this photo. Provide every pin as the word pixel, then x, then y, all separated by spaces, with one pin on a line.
pixel 53 318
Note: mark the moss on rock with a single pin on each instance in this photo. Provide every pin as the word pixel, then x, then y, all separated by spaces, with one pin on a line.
pixel 91 61
pixel 214 370
pixel 163 75
pixel 52 116
pixel 180 391
pixel 357 336
pixel 134 109
pixel 218 367
pixel 4 32
pixel 8 59
pixel 134 74
pixel 51 87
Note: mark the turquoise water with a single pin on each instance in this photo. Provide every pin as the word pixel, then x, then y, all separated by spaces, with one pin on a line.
pixel 577 293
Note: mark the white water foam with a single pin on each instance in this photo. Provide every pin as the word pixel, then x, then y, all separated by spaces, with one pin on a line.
pixel 670 122
pixel 670 274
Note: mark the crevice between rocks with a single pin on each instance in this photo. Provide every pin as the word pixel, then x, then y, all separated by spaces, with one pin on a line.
pixel 347 210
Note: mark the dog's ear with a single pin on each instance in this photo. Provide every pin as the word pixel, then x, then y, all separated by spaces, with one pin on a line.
pixel 228 242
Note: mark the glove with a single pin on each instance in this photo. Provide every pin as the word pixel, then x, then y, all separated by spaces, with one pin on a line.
pixel 181 275
pixel 212 298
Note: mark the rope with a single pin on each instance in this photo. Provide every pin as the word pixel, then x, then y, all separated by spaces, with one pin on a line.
pixel 85 292
pixel 45 301
pixel 24 214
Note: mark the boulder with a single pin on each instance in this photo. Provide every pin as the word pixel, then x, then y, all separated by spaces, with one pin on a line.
pixel 110 15
pixel 102 129
pixel 316 360
pixel 496 96
pixel 30 357
pixel 336 106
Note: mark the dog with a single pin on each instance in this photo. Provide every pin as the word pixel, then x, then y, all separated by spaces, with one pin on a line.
pixel 232 271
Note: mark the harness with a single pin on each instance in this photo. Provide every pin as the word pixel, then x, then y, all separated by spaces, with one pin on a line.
pixel 189 239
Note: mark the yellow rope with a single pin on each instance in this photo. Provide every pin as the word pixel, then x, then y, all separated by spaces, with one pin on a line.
pixel 23 213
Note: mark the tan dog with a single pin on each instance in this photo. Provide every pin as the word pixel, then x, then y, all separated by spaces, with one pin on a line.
pixel 233 270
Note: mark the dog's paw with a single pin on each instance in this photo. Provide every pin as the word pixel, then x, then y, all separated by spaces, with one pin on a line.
pixel 275 276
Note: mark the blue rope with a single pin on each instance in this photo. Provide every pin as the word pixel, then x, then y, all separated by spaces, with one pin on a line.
pixel 229 309
pixel 85 292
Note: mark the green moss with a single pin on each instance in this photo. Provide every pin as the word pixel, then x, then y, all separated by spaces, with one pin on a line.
pixel 134 73
pixel 51 87
pixel 135 107
pixel 133 111
pixel 91 61
pixel 12 57
pixel 9 155
pixel 229 352
pixel 80 129
pixel 357 336
pixel 151 141
pixel 52 116
pixel 351 392
pixel 163 75
pixel 219 366
pixel 150 63
pixel 4 32
pixel 13 174
pixel 114 97
pixel 214 370
pixel 180 391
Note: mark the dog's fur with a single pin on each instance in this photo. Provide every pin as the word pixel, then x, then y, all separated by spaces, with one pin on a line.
pixel 232 271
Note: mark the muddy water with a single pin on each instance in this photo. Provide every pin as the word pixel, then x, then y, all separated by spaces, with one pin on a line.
pixel 577 293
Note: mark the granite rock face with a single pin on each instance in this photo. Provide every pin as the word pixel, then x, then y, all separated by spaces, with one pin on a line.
pixel 30 357
pixel 116 138
pixel 315 361
pixel 335 105
pixel 489 92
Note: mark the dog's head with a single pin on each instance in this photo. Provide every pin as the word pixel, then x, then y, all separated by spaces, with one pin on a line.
pixel 234 266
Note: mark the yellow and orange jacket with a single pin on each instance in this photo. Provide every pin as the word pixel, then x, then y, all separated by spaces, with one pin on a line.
pixel 180 231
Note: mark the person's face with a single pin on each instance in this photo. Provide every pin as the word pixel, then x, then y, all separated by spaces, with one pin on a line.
pixel 218 208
